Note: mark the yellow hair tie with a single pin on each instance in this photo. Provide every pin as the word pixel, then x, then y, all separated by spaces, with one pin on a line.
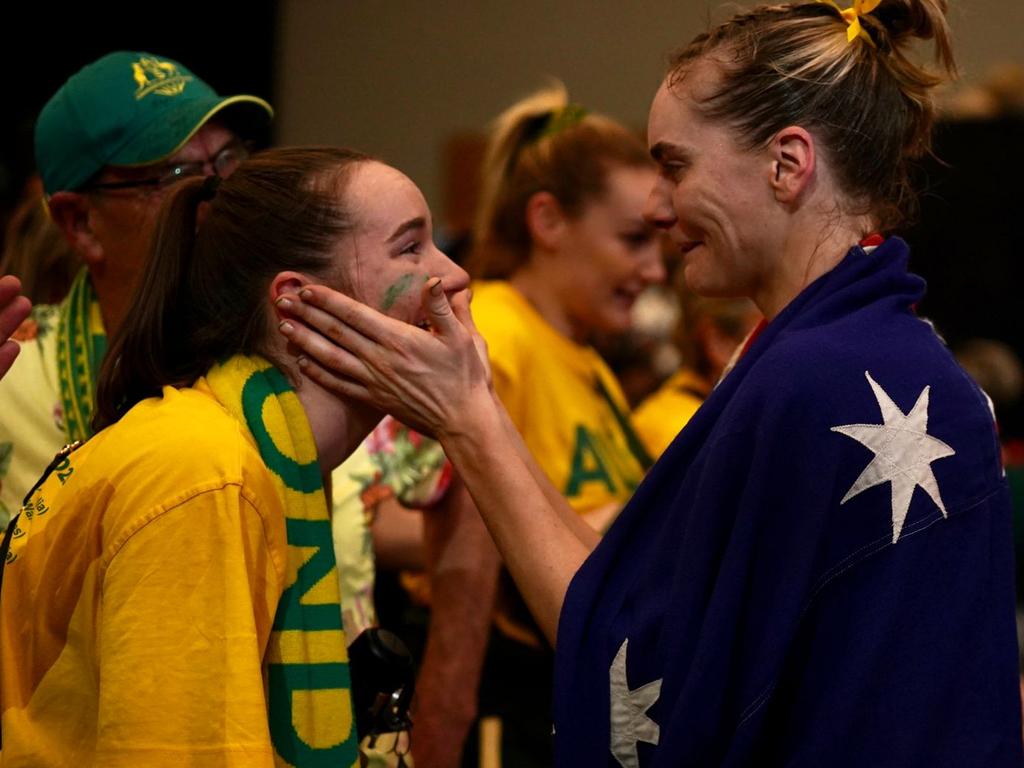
pixel 852 17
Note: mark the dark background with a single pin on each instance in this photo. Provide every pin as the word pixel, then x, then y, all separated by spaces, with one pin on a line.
pixel 229 45
pixel 968 241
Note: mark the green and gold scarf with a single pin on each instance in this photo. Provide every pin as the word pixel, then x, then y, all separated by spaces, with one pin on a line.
pixel 309 699
pixel 81 345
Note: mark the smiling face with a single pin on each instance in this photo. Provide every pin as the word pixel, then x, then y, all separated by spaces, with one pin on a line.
pixel 610 254
pixel 713 197
pixel 391 253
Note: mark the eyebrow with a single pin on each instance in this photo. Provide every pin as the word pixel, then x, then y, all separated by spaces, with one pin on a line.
pixel 418 223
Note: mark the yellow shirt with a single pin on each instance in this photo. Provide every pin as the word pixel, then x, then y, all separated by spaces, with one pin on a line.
pixel 139 597
pixel 32 431
pixel 659 418
pixel 562 398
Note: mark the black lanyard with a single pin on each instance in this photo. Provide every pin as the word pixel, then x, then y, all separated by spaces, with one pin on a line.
pixel 12 526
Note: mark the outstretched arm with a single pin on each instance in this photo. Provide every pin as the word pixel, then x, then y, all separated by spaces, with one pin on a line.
pixel 463 566
pixel 436 382
pixel 14 308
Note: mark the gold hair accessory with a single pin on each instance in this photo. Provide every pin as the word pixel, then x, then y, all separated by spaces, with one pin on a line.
pixel 852 17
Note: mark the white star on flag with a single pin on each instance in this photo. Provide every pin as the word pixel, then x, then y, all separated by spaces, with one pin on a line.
pixel 904 452
pixel 629 720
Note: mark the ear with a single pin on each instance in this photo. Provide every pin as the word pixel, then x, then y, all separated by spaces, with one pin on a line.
pixel 793 163
pixel 72 213
pixel 546 220
pixel 285 283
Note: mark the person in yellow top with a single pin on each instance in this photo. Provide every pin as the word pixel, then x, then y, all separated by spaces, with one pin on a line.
pixel 561 251
pixel 169 593
pixel 707 337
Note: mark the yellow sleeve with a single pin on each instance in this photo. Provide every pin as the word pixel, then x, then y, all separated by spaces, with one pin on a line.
pixel 505 351
pixel 661 417
pixel 188 604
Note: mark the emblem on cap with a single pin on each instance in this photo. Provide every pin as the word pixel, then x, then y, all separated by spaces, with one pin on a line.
pixel 155 76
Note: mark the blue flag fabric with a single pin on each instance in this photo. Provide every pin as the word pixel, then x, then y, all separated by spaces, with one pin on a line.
pixel 819 570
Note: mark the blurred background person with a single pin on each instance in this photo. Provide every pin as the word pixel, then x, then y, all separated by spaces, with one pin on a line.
pixel 109 143
pixel 36 251
pixel 561 252
pixel 706 336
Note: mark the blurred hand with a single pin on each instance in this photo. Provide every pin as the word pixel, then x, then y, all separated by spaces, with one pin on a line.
pixel 14 308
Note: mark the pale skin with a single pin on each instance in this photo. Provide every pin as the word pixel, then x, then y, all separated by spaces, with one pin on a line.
pixel 762 223
pixel 391 255
pixel 14 308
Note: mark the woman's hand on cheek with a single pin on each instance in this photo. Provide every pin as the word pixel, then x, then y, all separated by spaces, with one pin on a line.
pixel 423 379
pixel 460 304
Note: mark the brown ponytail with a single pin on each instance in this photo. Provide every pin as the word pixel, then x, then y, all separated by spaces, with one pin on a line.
pixel 867 103
pixel 203 294
pixel 542 143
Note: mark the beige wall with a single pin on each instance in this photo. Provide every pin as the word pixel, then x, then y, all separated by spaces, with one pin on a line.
pixel 398 78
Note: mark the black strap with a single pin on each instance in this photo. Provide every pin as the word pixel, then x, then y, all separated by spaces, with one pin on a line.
pixel 12 526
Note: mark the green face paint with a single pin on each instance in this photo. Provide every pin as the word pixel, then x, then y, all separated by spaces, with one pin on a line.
pixel 396 289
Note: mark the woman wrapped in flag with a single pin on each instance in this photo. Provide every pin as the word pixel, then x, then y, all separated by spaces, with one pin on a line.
pixel 818 571
pixel 170 594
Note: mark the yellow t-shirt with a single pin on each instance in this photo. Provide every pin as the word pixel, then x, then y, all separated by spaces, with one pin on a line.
pixel 139 598
pixel 32 431
pixel 659 418
pixel 562 398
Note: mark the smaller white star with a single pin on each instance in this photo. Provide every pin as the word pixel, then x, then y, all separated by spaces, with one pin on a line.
pixel 904 452
pixel 629 720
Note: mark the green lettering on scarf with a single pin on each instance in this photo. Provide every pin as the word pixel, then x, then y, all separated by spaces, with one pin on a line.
pixel 292 613
pixel 304 478
pixel 285 680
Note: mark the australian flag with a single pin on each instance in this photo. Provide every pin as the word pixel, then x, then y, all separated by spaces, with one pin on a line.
pixel 819 570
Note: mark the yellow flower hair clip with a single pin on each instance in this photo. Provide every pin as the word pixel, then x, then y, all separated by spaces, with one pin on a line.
pixel 852 17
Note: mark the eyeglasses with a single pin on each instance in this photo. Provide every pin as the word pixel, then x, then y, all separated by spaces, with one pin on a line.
pixel 223 163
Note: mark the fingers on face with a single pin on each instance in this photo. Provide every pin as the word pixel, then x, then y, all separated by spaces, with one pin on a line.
pixel 332 381
pixel 321 324
pixel 322 349
pixel 369 322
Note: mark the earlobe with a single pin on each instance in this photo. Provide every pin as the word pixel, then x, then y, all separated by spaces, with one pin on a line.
pixel 793 164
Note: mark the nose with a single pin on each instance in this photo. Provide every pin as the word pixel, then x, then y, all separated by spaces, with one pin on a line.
pixel 658 209
pixel 453 277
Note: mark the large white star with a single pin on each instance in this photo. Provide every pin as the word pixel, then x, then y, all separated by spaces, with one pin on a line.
pixel 630 722
pixel 903 451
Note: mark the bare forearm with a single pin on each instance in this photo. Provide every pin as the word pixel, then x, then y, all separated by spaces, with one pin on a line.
pixel 538 542
pixel 584 532
pixel 397 537
pixel 463 564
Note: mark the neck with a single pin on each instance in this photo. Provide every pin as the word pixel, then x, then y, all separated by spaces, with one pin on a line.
pixel 541 289
pixel 806 253
pixel 338 426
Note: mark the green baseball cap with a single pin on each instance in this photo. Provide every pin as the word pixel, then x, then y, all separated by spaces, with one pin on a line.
pixel 129 108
